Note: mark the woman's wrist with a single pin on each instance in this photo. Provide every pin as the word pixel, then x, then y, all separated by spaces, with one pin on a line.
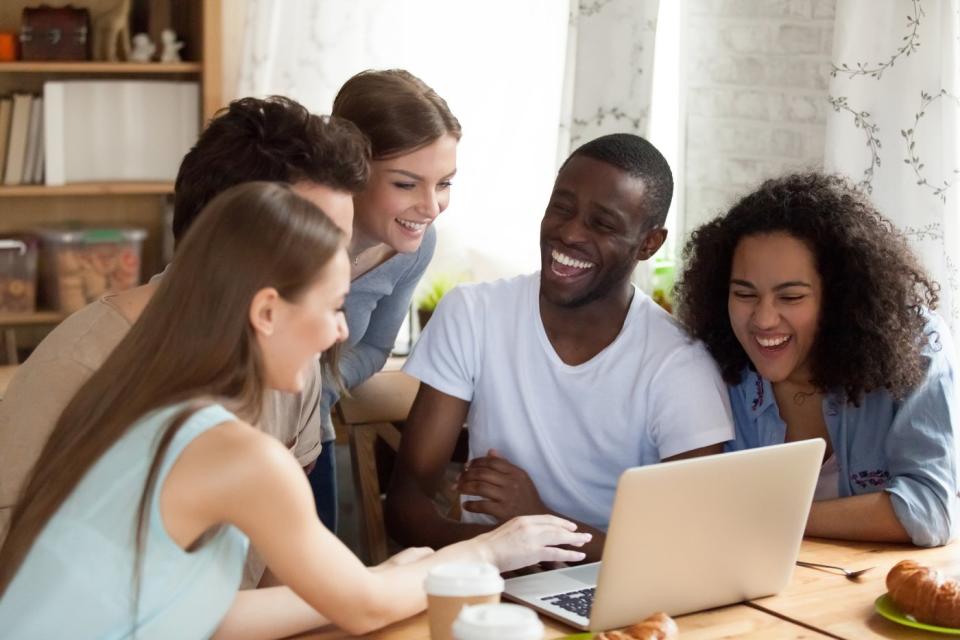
pixel 482 549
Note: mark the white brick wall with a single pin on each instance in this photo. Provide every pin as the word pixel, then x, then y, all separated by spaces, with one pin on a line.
pixel 758 72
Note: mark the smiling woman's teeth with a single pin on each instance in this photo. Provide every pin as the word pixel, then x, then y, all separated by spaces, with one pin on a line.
pixel 772 342
pixel 413 226
pixel 570 262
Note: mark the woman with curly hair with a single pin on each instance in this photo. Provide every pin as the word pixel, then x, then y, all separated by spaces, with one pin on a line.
pixel 821 321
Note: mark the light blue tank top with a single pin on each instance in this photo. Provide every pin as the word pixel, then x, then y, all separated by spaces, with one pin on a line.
pixel 76 581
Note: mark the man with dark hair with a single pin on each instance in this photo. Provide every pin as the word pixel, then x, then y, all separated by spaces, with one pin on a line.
pixel 565 378
pixel 325 159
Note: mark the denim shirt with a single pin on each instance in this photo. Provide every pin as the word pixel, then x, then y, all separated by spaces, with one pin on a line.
pixel 906 447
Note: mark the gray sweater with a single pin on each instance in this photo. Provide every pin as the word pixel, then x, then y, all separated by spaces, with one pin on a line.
pixel 375 309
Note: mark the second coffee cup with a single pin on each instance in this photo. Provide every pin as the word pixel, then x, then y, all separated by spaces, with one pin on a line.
pixel 452 586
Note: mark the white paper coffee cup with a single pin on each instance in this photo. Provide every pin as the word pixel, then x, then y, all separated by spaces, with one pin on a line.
pixel 497 622
pixel 452 586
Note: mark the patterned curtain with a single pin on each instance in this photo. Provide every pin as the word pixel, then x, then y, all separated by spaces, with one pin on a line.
pixel 609 70
pixel 894 125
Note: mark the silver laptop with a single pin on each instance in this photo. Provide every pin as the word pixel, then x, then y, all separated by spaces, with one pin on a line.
pixel 686 536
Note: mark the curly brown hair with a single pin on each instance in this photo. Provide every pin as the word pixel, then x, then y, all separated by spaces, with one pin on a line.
pixel 275 139
pixel 874 290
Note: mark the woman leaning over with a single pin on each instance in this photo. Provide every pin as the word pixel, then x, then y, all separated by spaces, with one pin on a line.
pixel 100 545
pixel 413 138
pixel 822 322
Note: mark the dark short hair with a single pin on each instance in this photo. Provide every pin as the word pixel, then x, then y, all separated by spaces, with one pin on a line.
pixel 396 110
pixel 274 139
pixel 870 332
pixel 640 159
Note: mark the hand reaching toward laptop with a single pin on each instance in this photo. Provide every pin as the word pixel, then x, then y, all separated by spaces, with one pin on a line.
pixel 506 491
pixel 527 540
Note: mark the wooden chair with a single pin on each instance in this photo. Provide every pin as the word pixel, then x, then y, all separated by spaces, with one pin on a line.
pixel 369 413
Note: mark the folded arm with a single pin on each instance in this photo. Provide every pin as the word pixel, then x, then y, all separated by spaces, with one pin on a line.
pixel 429 438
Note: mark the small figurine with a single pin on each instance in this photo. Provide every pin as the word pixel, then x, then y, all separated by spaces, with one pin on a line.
pixel 111 32
pixel 143 48
pixel 171 46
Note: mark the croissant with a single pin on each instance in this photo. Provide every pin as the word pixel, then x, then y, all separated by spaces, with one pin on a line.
pixel 925 594
pixel 659 626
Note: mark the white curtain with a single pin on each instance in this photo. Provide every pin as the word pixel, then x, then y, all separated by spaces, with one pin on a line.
pixel 500 66
pixel 610 70
pixel 894 124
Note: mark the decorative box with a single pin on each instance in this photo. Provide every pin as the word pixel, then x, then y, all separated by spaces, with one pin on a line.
pixel 55 33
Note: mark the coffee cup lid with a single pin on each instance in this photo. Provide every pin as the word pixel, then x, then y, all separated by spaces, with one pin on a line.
pixel 501 621
pixel 463 579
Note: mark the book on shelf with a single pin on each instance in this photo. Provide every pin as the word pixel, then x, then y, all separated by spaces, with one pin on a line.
pixel 33 140
pixel 114 130
pixel 17 139
pixel 6 110
pixel 39 156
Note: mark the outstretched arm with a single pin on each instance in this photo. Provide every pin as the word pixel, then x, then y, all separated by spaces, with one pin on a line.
pixel 235 474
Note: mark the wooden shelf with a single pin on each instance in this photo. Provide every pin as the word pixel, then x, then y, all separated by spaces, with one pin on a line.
pixel 159 68
pixel 88 189
pixel 24 319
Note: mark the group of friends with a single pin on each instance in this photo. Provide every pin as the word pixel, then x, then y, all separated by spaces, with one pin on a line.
pixel 168 444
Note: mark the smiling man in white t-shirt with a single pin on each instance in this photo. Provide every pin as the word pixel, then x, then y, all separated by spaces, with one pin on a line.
pixel 566 377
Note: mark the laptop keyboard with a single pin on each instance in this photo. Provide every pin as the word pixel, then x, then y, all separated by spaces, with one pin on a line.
pixel 578 602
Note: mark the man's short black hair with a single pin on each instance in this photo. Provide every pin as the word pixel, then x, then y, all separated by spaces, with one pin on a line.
pixel 273 139
pixel 640 159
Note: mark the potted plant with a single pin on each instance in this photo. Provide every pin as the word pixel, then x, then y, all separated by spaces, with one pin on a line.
pixel 435 289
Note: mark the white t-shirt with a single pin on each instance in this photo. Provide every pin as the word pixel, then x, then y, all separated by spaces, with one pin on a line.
pixel 649 395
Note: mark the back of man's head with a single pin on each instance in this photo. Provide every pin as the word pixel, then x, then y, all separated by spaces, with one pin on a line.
pixel 640 159
pixel 275 139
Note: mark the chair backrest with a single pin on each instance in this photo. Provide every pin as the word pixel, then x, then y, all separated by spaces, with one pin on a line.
pixel 369 413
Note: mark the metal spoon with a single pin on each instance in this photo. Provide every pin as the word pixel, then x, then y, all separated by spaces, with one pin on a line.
pixel 850 575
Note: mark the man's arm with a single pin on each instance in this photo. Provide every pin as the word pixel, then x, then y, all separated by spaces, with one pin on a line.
pixel 506 491
pixel 709 450
pixel 429 437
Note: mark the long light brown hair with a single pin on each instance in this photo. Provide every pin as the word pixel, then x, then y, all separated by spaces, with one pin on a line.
pixel 192 341
pixel 396 110
pixel 398 113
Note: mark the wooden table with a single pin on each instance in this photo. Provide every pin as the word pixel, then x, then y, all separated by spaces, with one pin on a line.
pixel 842 607
pixel 816 603
pixel 737 621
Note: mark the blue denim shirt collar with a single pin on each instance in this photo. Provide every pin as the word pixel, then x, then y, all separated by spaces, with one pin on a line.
pixel 757 393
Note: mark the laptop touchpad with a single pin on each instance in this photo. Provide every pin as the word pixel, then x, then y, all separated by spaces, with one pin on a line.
pixel 586 574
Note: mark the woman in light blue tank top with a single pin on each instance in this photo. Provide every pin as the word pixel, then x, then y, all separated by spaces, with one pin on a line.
pixel 821 320
pixel 136 519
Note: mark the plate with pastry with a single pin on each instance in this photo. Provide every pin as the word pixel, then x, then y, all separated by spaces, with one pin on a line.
pixel 921 597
